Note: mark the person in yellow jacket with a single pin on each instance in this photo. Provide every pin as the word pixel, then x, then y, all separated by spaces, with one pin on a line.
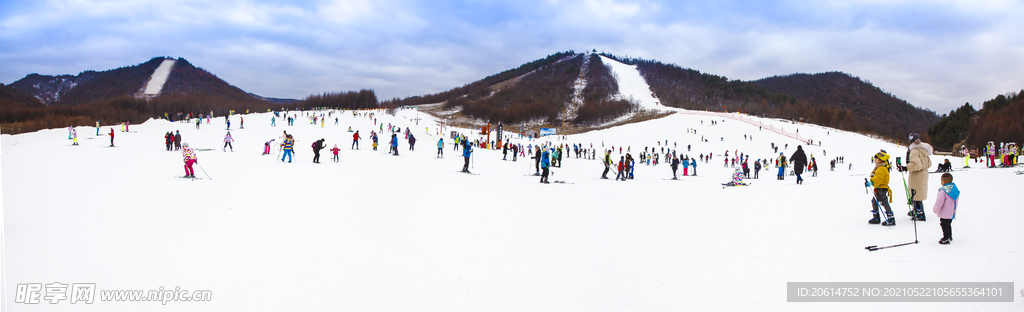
pixel 883 195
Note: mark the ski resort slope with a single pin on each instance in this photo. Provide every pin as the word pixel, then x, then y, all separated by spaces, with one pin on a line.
pixel 631 84
pixel 376 232
pixel 159 78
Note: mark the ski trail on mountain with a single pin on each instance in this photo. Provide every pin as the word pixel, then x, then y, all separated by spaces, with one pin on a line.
pixel 632 84
pixel 156 82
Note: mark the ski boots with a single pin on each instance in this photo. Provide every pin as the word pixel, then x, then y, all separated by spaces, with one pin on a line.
pixel 944 241
pixel 890 222
pixel 875 220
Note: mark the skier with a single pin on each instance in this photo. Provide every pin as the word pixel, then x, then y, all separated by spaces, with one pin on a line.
pixel 737 178
pixel 190 158
pixel 394 144
pixel 287 147
pixel 168 140
pixel 373 136
pixel 111 136
pixel 686 166
pixel 918 164
pixel 607 163
pixel 675 166
pixel 177 140
pixel 515 151
pixel 799 161
pixel 693 163
pixel 467 151
pixel 266 147
pixel 227 142
pixel 621 174
pixel 504 151
pixel 545 163
pixel 880 181
pixel 335 150
pixel 440 148
pixel 757 167
pixel 317 146
pixel 97 128
pixel 74 137
pixel 945 207
pixel 355 139
pixel 781 164
pixel 536 157
pixel 412 142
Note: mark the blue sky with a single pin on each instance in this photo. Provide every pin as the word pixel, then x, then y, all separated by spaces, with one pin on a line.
pixel 935 54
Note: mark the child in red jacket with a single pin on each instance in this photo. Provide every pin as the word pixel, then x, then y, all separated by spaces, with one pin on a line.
pixel 335 150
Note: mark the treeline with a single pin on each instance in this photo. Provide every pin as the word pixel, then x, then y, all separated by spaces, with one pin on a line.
pixel 480 87
pixel 539 95
pixel 1000 119
pixel 830 99
pixel 21 119
pixel 340 100
pixel 952 128
pixel 88 86
pixel 598 105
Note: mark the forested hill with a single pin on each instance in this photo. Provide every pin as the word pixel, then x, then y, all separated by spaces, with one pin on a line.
pixel 885 113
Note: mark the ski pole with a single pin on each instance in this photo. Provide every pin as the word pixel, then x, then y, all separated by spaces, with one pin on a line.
pixel 204 171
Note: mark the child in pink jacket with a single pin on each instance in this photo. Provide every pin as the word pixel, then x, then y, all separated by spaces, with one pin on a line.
pixel 945 207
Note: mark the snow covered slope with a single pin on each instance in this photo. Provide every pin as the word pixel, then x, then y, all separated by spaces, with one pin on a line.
pixel 156 82
pixel 632 84
pixel 376 232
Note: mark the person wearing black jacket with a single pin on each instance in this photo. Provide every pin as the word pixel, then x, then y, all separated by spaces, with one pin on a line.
pixel 675 166
pixel 317 146
pixel 799 161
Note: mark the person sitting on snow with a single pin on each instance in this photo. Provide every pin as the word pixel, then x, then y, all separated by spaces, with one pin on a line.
pixel 737 178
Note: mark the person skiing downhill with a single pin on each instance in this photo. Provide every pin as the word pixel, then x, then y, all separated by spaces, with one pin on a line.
pixel 227 142
pixel 918 164
pixel 440 148
pixel 190 158
pixel 883 195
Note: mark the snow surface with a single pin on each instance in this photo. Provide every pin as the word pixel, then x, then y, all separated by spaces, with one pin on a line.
pixel 410 233
pixel 159 78
pixel 632 84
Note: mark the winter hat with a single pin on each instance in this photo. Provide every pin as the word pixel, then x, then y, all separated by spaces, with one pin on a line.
pixel 914 137
pixel 184 144
pixel 882 156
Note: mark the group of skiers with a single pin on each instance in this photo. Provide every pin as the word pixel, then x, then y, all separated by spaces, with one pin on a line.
pixel 918 162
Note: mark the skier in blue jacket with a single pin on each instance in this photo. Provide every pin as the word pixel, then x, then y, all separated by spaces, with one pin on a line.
pixel 545 163
pixel 467 151
pixel 394 143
